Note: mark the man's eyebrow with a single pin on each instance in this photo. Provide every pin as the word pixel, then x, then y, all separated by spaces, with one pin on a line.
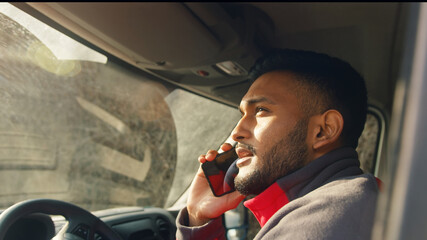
pixel 256 100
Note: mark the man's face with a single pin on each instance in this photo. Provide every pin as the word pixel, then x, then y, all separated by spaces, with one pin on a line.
pixel 271 133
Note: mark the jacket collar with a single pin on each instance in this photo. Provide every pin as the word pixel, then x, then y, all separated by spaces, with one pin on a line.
pixel 336 164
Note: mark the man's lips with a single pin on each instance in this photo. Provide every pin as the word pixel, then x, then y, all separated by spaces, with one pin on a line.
pixel 243 152
pixel 244 156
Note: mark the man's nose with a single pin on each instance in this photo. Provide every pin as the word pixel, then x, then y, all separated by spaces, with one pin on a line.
pixel 241 130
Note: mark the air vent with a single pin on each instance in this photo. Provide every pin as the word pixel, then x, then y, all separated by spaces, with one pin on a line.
pixel 164 229
pixel 147 234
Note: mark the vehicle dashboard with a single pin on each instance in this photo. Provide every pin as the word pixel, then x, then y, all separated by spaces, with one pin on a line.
pixel 131 223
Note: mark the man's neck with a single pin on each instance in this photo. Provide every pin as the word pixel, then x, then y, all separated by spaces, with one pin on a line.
pixel 317 153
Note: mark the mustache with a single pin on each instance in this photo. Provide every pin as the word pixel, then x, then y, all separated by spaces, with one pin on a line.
pixel 246 146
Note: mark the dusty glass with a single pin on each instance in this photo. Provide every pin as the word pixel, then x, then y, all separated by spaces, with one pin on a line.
pixel 78 127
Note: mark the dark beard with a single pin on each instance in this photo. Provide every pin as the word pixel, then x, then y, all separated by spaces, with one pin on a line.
pixel 285 157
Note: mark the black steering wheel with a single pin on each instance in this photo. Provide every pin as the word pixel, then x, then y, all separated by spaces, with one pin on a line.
pixel 81 223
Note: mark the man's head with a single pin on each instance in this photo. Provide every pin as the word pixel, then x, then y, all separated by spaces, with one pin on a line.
pixel 300 106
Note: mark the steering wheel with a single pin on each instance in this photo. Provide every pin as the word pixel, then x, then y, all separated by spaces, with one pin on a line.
pixel 81 223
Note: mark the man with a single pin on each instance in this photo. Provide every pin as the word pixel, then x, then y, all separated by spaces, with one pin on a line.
pixel 301 120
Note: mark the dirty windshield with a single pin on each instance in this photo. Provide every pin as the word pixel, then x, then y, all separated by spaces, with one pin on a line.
pixel 78 127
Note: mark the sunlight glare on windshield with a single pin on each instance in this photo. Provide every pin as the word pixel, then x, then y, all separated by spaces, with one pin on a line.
pixel 52 38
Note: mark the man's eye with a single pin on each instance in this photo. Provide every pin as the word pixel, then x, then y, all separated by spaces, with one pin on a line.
pixel 260 109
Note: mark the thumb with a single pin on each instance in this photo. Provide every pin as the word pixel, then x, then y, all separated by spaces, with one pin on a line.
pixel 234 198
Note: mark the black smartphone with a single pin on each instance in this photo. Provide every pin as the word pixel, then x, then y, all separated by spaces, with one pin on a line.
pixel 221 172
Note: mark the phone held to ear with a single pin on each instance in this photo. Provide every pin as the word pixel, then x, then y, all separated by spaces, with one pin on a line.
pixel 221 172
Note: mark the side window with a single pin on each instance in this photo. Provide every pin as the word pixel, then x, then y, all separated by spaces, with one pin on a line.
pixel 201 124
pixel 370 142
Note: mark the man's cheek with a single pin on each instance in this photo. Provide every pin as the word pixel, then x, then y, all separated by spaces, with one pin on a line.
pixel 262 131
pixel 266 135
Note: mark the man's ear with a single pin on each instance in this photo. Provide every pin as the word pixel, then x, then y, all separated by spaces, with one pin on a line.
pixel 327 130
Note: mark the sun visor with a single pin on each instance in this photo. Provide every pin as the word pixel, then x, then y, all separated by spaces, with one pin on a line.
pixel 202 45
pixel 151 35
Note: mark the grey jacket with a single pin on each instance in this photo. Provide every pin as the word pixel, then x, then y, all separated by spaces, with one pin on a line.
pixel 330 198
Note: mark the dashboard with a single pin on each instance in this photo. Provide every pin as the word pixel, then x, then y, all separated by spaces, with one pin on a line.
pixel 131 223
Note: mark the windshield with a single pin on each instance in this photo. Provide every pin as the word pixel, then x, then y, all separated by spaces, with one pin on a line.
pixel 79 127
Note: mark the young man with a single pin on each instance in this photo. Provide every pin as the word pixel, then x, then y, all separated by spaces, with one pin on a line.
pixel 301 120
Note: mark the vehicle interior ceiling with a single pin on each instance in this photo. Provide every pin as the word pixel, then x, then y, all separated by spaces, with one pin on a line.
pixel 208 48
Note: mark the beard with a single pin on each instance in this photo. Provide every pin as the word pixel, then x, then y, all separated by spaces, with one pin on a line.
pixel 286 156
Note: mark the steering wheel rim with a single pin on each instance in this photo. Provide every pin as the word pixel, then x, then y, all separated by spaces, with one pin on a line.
pixel 77 217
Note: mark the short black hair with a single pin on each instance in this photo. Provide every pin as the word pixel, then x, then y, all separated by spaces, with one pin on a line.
pixel 331 82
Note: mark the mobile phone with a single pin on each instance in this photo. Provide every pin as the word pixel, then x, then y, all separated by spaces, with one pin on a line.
pixel 221 172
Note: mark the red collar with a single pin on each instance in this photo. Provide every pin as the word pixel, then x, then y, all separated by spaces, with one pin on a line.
pixel 267 203
pixel 335 164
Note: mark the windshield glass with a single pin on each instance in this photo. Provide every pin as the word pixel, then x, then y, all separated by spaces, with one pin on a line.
pixel 78 127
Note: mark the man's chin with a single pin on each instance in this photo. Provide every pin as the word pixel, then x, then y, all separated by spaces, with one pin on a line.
pixel 249 183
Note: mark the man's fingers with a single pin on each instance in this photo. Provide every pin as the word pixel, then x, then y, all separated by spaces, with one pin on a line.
pixel 210 156
pixel 226 147
pixel 202 158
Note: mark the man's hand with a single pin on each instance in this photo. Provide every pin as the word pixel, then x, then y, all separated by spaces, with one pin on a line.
pixel 202 205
